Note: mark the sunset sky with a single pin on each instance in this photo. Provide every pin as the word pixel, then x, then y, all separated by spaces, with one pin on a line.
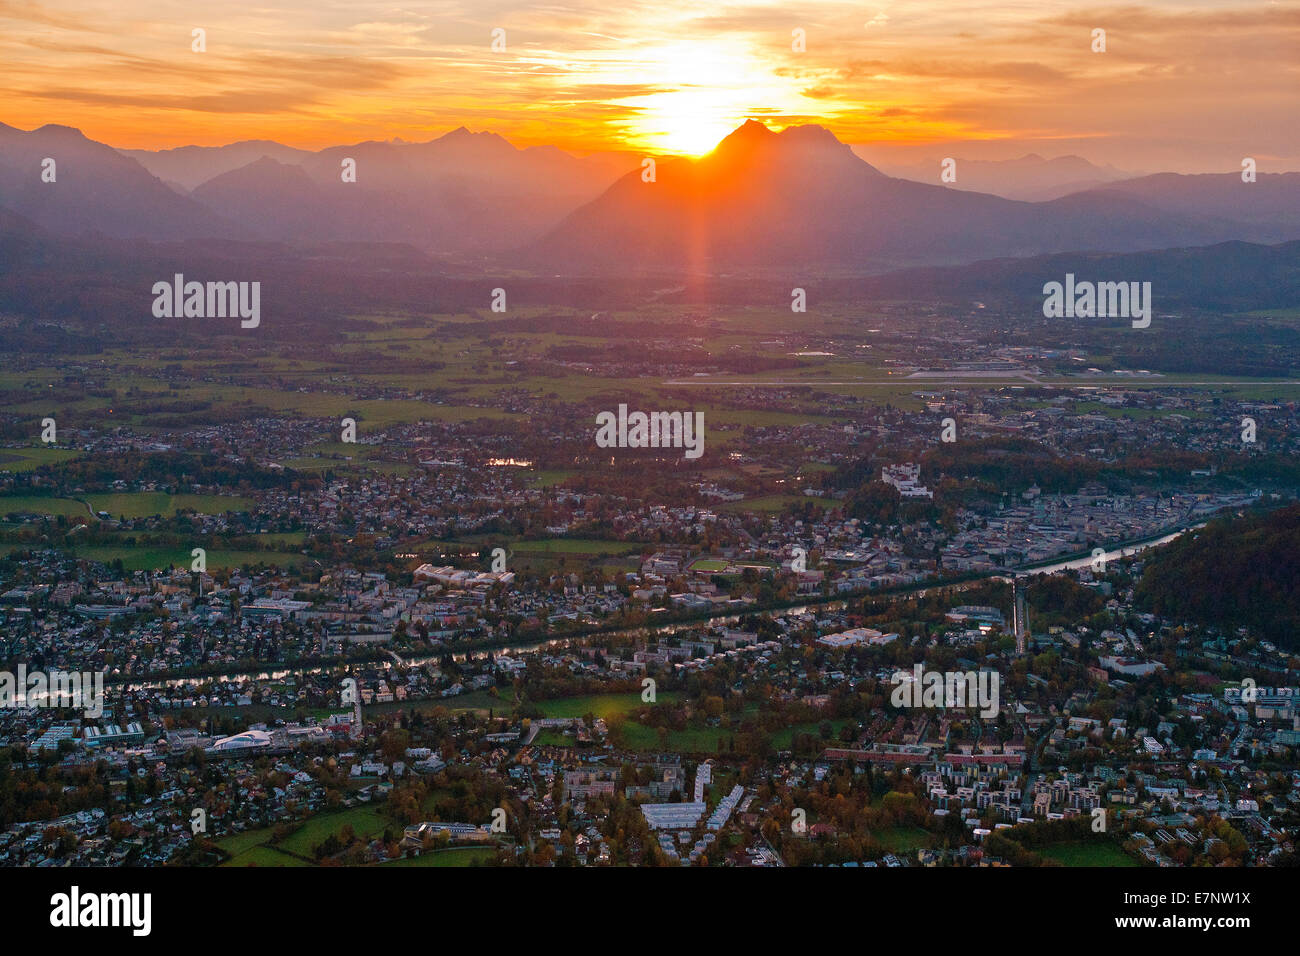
pixel 1187 85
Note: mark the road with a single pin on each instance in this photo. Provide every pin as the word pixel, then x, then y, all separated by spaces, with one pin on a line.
pixel 1032 759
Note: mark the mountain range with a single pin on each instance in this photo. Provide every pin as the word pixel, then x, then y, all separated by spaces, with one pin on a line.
pixel 762 202
pixel 1031 177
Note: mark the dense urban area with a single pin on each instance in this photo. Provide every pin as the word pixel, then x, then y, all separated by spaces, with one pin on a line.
pixel 345 610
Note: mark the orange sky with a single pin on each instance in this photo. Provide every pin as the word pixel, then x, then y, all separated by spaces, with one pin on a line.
pixel 1189 85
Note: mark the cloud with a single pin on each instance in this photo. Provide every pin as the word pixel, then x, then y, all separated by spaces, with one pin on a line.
pixel 586 73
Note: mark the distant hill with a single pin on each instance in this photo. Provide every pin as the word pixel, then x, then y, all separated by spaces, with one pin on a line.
pixel 1271 202
pixel 1224 277
pixel 1233 572
pixel 802 200
pixel 463 192
pixel 96 190
pixel 188 166
pixel 279 201
pixel 1032 178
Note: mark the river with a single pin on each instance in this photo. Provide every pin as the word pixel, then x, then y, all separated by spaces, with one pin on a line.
pixel 1074 564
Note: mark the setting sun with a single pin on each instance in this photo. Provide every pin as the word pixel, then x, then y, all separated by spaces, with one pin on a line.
pixel 690 122
pixel 713 88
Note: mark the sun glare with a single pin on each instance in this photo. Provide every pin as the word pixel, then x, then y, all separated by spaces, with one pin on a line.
pixel 689 122
pixel 704 93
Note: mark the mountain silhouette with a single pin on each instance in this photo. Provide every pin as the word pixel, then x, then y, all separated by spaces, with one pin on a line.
pixel 801 199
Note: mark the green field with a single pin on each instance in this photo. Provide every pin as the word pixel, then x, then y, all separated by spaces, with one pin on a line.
pixel 553 738
pixel 603 706
pixel 143 504
pixel 578 546
pixel 710 565
pixel 254 846
pixel 545 479
pixel 783 739
pixel 904 839
pixel 42 505
pixel 254 849
pixel 238 843
pixel 146 504
pixel 1100 853
pixel 148 558
pixel 702 740
pixel 460 856
pixel 26 459
pixel 771 504
pixel 707 740
pixel 264 856
pixel 365 821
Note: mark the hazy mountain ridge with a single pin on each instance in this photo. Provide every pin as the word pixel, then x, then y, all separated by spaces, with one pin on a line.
pixel 190 166
pixel 96 190
pixel 461 192
pixel 1229 277
pixel 1031 178
pixel 761 202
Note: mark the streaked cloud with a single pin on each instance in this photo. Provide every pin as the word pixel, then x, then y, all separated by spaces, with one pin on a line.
pixel 1184 84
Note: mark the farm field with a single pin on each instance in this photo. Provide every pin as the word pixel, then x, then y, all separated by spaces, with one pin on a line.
pixel 144 504
pixel 148 503
pixel 29 458
pixel 41 505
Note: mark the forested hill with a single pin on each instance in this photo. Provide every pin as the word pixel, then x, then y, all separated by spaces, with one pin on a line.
pixel 1234 572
